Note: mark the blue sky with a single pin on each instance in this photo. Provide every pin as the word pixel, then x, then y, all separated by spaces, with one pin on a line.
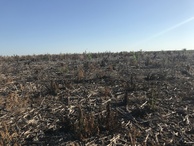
pixel 75 26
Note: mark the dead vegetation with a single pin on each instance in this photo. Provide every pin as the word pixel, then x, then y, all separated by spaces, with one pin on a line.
pixel 135 98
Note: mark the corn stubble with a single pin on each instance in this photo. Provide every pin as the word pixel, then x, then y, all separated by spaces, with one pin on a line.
pixel 126 98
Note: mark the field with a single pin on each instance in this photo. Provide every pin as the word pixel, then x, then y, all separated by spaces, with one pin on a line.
pixel 126 98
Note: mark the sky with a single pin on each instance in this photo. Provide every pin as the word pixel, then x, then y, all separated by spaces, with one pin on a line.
pixel 75 26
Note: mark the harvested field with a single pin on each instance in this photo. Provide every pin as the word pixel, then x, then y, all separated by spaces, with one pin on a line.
pixel 134 98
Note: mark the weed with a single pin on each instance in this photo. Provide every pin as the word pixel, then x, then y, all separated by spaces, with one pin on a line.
pixel 130 84
pixel 107 92
pixel 80 74
pixel 88 124
pixel 8 136
pixel 134 59
pixel 152 98
pixel 85 126
pixel 147 61
pixel 126 99
pixel 133 135
pixel 89 56
pixel 111 119
pixel 52 87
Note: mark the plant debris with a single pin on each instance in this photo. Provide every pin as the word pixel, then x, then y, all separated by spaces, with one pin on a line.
pixel 126 98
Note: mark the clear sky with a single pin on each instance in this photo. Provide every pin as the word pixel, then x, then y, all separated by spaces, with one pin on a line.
pixel 75 26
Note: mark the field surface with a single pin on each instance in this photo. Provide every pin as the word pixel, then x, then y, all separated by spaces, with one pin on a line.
pixel 127 98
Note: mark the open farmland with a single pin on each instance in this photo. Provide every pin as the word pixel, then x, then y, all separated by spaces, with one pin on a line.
pixel 134 98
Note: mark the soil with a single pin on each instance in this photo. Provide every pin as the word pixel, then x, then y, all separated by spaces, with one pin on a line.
pixel 126 98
